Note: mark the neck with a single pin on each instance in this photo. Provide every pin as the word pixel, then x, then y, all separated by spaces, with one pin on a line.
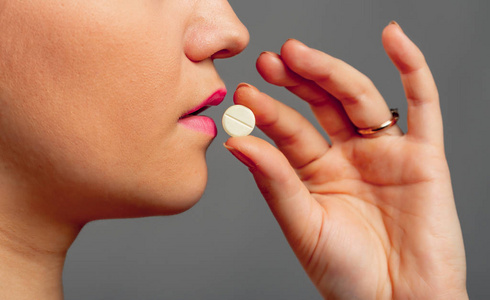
pixel 33 247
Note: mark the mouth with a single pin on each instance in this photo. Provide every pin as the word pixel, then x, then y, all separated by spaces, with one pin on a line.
pixel 192 120
pixel 195 113
pixel 215 99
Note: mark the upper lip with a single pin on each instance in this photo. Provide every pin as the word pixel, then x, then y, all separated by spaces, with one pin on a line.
pixel 215 99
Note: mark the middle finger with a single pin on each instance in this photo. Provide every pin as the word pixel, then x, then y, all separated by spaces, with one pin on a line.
pixel 359 97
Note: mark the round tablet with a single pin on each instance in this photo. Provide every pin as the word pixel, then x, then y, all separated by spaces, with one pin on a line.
pixel 238 120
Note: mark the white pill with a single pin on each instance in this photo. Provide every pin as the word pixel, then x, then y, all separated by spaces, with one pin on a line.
pixel 238 120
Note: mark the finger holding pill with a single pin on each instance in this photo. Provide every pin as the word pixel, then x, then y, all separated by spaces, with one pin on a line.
pixel 238 120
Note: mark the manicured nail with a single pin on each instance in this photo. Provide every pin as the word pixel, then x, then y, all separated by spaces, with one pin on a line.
pixel 268 52
pixel 241 157
pixel 271 55
pixel 243 84
pixel 301 44
pixel 395 23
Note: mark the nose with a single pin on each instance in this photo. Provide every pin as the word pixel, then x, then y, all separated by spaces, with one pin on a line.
pixel 214 31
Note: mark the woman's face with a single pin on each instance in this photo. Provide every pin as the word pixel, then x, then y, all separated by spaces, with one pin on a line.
pixel 92 94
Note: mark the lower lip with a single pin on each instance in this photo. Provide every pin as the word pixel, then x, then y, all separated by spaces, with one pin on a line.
pixel 202 124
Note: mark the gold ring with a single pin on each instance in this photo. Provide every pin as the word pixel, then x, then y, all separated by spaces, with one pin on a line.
pixel 385 125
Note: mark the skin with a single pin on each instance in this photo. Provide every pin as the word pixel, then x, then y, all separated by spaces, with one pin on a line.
pixel 91 93
pixel 369 217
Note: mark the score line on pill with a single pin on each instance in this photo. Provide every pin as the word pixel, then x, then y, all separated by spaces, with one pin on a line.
pixel 238 120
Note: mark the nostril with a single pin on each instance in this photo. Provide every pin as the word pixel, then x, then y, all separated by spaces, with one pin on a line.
pixel 234 43
pixel 222 54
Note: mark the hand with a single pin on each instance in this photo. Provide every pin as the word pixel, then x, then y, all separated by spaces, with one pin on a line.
pixel 369 217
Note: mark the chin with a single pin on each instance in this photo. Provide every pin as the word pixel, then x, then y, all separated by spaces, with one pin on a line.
pixel 178 204
pixel 157 199
pixel 146 202
pixel 168 183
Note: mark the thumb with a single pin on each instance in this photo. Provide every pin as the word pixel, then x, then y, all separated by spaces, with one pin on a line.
pixel 288 198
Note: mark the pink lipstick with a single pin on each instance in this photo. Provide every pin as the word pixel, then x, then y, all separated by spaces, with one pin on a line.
pixel 203 124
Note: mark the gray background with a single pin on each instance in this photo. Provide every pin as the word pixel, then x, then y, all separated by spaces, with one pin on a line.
pixel 228 246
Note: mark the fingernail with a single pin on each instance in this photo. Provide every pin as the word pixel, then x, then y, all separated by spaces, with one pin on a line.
pixel 243 84
pixel 242 158
pixel 301 44
pixel 393 22
pixel 268 52
pixel 271 55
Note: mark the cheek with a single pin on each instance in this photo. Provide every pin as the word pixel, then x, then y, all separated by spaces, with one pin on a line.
pixel 83 79
pixel 99 105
